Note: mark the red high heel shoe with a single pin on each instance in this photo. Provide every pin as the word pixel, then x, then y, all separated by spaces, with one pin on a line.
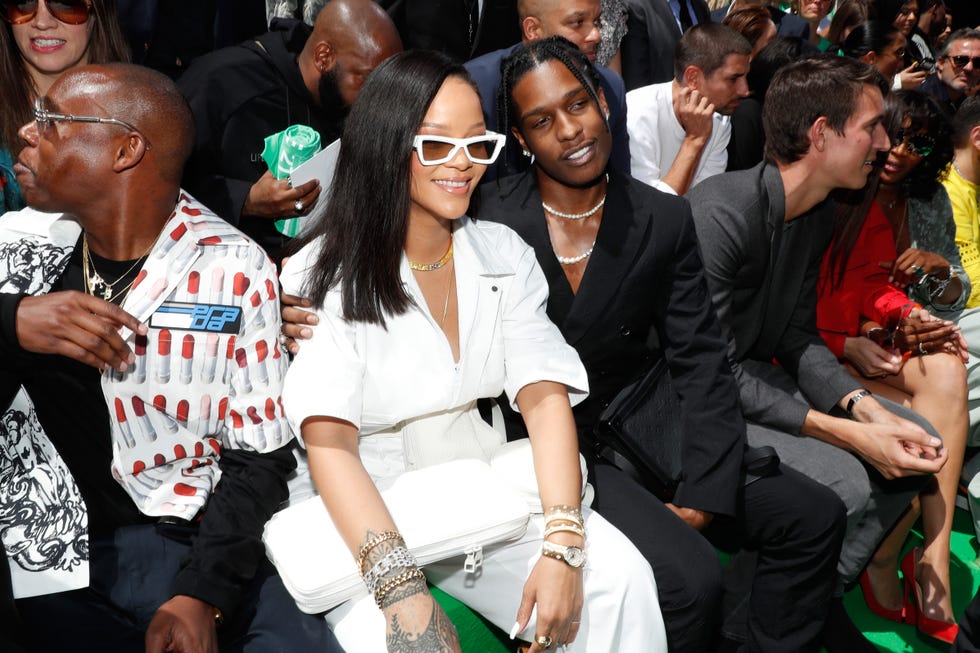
pixel 900 615
pixel 940 630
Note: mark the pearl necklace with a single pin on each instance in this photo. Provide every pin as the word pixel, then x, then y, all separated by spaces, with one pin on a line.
pixel 576 216
pixel 572 260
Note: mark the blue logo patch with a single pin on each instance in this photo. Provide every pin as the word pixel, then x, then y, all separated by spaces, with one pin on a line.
pixel 212 318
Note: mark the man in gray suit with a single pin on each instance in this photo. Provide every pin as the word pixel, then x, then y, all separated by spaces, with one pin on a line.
pixel 763 233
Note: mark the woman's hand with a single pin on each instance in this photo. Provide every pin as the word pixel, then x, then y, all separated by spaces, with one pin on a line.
pixel 871 360
pixel 911 77
pixel 416 621
pixel 912 264
pixel 556 588
pixel 923 333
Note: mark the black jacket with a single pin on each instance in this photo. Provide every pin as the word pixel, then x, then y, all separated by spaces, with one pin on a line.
pixel 644 277
pixel 239 95
pixel 651 36
pixel 444 25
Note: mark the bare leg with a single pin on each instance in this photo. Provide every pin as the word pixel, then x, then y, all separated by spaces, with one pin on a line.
pixel 937 387
pixel 883 567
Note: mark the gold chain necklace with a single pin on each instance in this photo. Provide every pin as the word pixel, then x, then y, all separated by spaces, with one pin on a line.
pixel 449 291
pixel 429 267
pixel 96 285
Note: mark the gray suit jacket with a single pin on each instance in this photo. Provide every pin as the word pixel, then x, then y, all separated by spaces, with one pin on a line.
pixel 762 272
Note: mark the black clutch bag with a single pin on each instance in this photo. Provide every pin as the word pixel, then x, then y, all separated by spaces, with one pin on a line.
pixel 642 431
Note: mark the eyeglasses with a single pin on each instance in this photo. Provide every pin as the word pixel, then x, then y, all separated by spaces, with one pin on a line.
pixel 960 61
pixel 73 12
pixel 918 144
pixel 482 149
pixel 44 118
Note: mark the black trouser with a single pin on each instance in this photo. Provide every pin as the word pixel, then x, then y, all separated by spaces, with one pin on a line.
pixel 793 524
pixel 131 577
pixel 968 639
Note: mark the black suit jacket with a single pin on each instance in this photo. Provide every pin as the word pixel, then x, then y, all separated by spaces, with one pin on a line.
pixel 443 25
pixel 644 278
pixel 648 47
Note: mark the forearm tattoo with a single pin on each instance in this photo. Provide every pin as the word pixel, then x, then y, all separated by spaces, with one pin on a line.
pixel 379 551
pixel 438 636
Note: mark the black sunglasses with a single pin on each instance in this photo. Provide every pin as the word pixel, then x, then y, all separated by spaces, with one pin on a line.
pixel 961 60
pixel 72 12
pixel 919 144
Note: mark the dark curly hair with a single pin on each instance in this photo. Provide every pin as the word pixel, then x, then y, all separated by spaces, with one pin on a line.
pixel 926 115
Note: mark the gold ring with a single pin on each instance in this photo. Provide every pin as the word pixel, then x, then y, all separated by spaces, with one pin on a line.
pixel 545 641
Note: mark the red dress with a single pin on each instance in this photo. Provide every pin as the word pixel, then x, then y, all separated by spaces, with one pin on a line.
pixel 864 292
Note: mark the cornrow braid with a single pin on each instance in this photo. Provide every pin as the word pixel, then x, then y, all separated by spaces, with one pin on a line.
pixel 525 58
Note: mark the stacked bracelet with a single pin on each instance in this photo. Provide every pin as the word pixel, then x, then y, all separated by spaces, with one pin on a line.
pixel 404 577
pixel 398 558
pixel 553 528
pixel 569 514
pixel 563 519
pixel 368 546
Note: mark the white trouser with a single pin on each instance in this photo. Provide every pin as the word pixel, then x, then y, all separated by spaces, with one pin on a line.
pixel 621 611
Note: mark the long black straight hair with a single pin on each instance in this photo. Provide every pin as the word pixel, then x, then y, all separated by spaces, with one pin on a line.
pixel 362 231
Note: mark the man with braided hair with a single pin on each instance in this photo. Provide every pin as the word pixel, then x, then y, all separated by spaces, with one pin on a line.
pixel 578 21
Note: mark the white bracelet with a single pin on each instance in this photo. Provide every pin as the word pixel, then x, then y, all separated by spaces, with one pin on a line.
pixel 571 516
pixel 564 528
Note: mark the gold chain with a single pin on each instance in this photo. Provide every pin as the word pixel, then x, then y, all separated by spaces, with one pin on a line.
pixel 429 267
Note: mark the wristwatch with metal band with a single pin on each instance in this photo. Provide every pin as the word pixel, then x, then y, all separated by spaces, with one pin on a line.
pixel 573 556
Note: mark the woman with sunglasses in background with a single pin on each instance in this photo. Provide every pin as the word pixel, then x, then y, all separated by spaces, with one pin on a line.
pixel 420 312
pixel 892 257
pixel 39 40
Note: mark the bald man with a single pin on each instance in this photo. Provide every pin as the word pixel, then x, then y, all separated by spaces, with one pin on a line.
pixel 290 75
pixel 578 21
pixel 143 445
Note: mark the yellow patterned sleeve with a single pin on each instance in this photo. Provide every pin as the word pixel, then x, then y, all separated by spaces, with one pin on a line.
pixel 966 214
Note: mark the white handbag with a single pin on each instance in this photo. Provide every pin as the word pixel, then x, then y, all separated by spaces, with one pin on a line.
pixel 445 510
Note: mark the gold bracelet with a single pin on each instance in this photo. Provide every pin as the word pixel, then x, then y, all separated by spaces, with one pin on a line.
pixel 368 546
pixel 404 577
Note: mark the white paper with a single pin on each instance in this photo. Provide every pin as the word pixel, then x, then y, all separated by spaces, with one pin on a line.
pixel 321 167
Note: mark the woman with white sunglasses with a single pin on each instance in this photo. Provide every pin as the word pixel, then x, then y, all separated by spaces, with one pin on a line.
pixel 420 312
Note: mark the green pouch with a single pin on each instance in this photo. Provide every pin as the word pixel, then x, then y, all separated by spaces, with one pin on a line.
pixel 284 152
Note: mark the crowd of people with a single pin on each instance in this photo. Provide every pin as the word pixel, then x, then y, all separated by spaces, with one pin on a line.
pixel 770 213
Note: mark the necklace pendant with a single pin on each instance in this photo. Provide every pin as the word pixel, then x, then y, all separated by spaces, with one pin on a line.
pixel 99 286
